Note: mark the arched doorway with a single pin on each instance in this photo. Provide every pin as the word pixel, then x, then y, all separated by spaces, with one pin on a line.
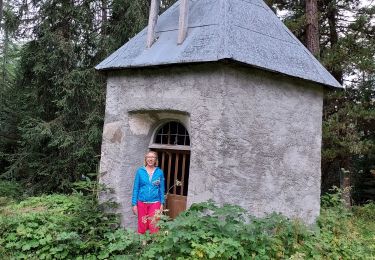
pixel 172 142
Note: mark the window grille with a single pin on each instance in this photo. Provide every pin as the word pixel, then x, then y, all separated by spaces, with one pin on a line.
pixel 172 133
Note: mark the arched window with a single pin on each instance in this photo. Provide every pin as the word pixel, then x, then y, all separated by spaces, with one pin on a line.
pixel 171 135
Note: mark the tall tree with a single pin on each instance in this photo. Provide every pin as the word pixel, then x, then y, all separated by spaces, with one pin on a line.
pixel 347 50
pixel 9 58
pixel 348 136
pixel 62 98
pixel 60 104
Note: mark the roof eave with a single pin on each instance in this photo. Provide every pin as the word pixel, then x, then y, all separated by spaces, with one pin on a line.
pixel 334 85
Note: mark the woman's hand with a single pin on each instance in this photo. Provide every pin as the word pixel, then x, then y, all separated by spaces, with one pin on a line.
pixel 135 210
pixel 161 207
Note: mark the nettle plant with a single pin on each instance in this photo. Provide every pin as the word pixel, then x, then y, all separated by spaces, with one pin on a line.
pixel 207 231
pixel 62 227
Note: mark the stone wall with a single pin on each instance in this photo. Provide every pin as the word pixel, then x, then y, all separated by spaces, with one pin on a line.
pixel 255 135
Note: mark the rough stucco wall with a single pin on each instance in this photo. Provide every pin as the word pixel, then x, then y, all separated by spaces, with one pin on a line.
pixel 271 145
pixel 255 136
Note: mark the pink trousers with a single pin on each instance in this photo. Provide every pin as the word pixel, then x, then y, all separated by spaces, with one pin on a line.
pixel 146 217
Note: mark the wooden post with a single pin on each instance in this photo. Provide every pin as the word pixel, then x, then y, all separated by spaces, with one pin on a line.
pixel 183 21
pixel 346 188
pixel 152 20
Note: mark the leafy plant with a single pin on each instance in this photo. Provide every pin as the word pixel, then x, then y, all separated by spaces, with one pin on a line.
pixel 10 189
pixel 207 231
pixel 74 227
pixel 60 227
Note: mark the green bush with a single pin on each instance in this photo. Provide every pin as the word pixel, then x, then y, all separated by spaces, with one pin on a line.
pixel 365 212
pixel 10 189
pixel 61 227
pixel 365 221
pixel 207 231
pixel 74 227
pixel 342 232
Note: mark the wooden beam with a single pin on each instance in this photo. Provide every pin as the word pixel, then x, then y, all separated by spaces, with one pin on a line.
pixel 169 171
pixel 183 21
pixel 183 174
pixel 152 20
pixel 175 174
pixel 162 161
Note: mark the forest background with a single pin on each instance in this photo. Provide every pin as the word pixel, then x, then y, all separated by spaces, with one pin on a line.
pixel 51 119
pixel 52 99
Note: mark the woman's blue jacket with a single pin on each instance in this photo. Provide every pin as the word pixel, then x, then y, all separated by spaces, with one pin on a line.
pixel 148 191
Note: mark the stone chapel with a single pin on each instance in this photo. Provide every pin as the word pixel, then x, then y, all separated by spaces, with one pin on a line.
pixel 231 101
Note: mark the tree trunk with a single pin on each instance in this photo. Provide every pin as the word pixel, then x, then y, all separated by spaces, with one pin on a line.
pixel 312 27
pixel 104 18
pixel 1 13
pixel 5 58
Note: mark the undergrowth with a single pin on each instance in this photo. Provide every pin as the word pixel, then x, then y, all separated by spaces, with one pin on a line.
pixel 74 227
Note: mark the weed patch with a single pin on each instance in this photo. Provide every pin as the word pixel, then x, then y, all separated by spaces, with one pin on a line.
pixel 74 227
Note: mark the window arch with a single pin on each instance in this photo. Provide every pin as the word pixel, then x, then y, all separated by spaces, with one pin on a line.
pixel 172 135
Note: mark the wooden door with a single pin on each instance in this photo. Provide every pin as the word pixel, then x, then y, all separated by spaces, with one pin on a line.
pixel 175 165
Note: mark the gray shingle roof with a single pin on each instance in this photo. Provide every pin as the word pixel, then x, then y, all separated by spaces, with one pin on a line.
pixel 246 31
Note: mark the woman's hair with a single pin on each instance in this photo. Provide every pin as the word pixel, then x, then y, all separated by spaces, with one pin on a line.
pixel 156 159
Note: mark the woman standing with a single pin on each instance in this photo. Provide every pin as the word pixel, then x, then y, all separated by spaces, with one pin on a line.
pixel 148 193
